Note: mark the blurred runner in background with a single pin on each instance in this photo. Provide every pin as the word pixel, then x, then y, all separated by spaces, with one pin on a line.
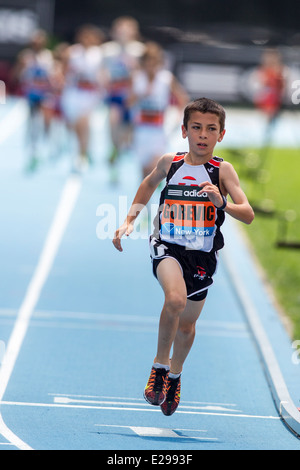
pixel 121 56
pixel 82 90
pixel 269 85
pixel 60 133
pixel 153 89
pixel 33 71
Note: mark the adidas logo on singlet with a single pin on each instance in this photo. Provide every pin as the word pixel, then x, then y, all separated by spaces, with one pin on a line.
pixel 186 192
pixel 194 193
pixel 175 192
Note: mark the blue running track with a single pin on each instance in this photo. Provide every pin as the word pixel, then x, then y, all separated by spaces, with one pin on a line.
pixel 79 323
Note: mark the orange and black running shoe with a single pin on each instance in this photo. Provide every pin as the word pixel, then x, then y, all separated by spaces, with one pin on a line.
pixel 173 386
pixel 155 391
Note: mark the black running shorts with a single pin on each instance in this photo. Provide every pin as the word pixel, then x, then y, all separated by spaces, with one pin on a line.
pixel 197 267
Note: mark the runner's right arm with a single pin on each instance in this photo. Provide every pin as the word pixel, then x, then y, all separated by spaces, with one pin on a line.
pixel 142 197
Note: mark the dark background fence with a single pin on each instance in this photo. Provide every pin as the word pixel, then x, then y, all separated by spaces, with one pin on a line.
pixel 212 46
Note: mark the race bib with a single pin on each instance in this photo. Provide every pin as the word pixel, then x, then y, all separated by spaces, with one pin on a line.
pixel 186 214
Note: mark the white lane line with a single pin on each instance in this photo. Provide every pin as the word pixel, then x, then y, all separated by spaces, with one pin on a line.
pixel 280 393
pixel 133 427
pixel 11 437
pixel 100 397
pixel 151 409
pixel 105 321
pixel 133 323
pixel 145 431
pixel 63 213
pixel 66 400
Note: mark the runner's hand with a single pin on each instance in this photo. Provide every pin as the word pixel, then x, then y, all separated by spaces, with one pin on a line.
pixel 125 229
pixel 212 192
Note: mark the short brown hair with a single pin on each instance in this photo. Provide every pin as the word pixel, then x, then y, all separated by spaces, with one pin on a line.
pixel 205 105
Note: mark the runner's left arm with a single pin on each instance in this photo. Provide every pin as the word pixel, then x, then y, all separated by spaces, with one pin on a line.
pixel 240 208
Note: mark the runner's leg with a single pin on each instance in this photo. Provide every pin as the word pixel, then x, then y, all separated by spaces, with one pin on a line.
pixel 170 278
pixel 185 334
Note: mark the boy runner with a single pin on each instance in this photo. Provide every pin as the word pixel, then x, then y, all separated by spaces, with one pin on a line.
pixel 186 238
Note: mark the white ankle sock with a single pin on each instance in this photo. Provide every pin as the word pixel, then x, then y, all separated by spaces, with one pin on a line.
pixel 157 365
pixel 174 376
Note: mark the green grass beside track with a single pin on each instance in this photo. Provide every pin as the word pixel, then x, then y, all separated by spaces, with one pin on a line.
pixel 271 180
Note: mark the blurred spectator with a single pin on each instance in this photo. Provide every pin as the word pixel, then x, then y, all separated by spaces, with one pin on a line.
pixel 82 90
pixel 121 56
pixel 153 87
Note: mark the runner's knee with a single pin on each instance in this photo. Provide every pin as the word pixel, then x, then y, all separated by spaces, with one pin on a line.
pixel 175 302
pixel 187 329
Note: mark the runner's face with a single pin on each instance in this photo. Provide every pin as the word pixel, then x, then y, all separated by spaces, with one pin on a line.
pixel 203 133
